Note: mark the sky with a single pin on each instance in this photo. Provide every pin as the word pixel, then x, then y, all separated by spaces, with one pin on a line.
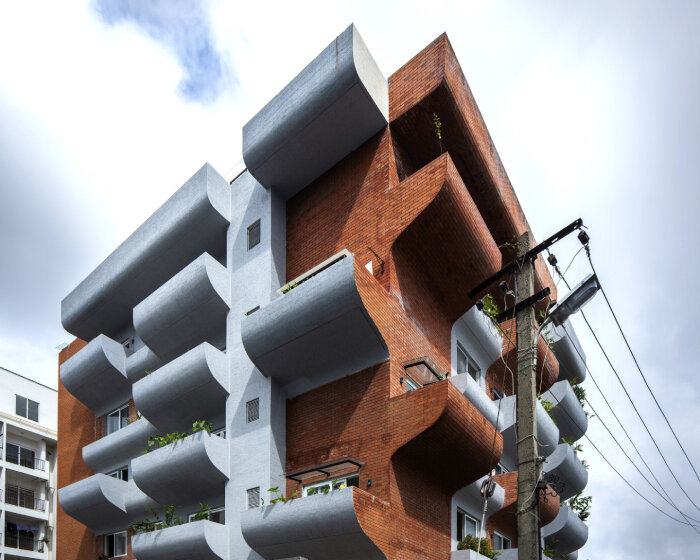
pixel 107 107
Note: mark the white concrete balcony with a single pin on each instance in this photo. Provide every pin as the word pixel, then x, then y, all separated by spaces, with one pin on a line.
pixel 116 449
pixel 20 546
pixel 478 397
pixel 295 137
pixel 565 472
pixel 315 333
pixel 193 221
pixel 322 527
pixel 17 500
pixel 104 504
pixel 96 375
pixel 567 412
pixel 199 540
pixel 469 499
pixel 187 310
pixel 188 471
pixel 566 534
pixel 141 362
pixel 192 387
pixel 569 353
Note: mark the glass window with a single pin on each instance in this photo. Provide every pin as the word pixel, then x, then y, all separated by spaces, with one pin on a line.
pixel 20 456
pixel 333 484
pixel 217 515
pixel 221 432
pixel 461 360
pixel 120 474
pixel 26 408
pixel 253 234
pixel 115 544
pixel 500 542
pixel 117 419
pixel 466 525
pixel 411 385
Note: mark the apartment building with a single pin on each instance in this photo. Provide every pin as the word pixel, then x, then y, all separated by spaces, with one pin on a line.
pixel 27 468
pixel 313 310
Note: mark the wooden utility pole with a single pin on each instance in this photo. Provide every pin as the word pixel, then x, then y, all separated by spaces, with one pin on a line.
pixel 528 462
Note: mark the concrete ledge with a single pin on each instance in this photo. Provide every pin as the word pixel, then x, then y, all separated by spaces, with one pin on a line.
pixel 200 540
pixel 468 555
pixel 140 362
pixel 118 448
pixel 478 397
pixel 565 472
pixel 568 530
pixel 317 332
pixel 104 504
pixel 322 527
pixel 187 310
pixel 192 221
pixel 192 387
pixel 185 472
pixel 568 350
pixel 334 105
pixel 96 375
pixel 568 413
pixel 547 431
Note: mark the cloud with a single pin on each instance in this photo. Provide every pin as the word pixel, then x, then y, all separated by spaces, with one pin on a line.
pixel 183 27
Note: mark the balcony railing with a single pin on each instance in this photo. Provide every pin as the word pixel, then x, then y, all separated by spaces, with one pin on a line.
pixel 20 497
pixel 23 542
pixel 30 463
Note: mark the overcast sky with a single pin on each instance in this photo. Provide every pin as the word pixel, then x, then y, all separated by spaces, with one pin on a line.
pixel 106 109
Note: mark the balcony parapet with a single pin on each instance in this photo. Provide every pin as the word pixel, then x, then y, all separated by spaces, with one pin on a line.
pixel 199 540
pixel 470 499
pixel 547 431
pixel 567 533
pixel 192 221
pixel 565 472
pixel 471 389
pixel 192 387
pixel 294 138
pixel 96 375
pixel 187 310
pixel 567 411
pixel 323 527
pixel 116 449
pixel 319 331
pixel 568 350
pixel 141 362
pixel 104 504
pixel 185 472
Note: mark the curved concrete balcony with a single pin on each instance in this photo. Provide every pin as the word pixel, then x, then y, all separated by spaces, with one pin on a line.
pixel 185 472
pixel 192 221
pixel 567 411
pixel 96 375
pixel 317 332
pixel 295 137
pixel 323 527
pixel 116 449
pixel 568 350
pixel 479 337
pixel 567 533
pixel 564 472
pixel 469 499
pixel 477 396
pixel 140 362
pixel 192 387
pixel 104 504
pixel 199 540
pixel 187 310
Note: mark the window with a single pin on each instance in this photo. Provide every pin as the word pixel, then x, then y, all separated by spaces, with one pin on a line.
pixel 253 497
pixel 221 432
pixel 500 542
pixel 217 515
pixel 252 411
pixel 333 484
pixel 22 456
pixel 120 474
pixel 500 469
pixel 465 364
pixel 22 497
pixel 411 385
pixel 496 394
pixel 253 234
pixel 21 536
pixel 115 544
pixel 26 408
pixel 117 419
pixel 466 525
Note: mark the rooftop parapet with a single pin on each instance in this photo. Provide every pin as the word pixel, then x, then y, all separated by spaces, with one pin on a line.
pixel 567 412
pixel 199 540
pixel 192 221
pixel 566 534
pixel 335 104
pixel 568 350
pixel 96 375
pixel 116 449
pixel 565 472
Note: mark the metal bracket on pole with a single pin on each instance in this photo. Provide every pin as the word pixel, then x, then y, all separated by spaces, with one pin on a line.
pixel 513 311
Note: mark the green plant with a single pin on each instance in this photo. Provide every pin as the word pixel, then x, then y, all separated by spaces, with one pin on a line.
pixel 202 426
pixel 438 129
pixel 577 446
pixel 550 548
pixel 170 518
pixel 483 545
pixel 581 505
pixel 149 525
pixel 167 439
pixel 512 244
pixel 148 372
pixel 289 287
pixel 203 513
pixel 490 308
pixel 548 407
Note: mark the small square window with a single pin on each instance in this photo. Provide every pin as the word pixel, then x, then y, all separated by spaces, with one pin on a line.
pixel 252 411
pixel 253 497
pixel 466 525
pixel 117 419
pixel 253 234
pixel 465 364
pixel 500 542
pixel 26 408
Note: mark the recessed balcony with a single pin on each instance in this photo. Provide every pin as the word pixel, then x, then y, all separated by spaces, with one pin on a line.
pixel 199 540
pixel 568 350
pixel 192 387
pixel 96 375
pixel 188 471
pixel 564 472
pixel 193 221
pixel 104 504
pixel 187 310
pixel 566 534
pixel 116 449
pixel 140 363
pixel 331 526
pixel 476 394
pixel 317 332
pixel 567 412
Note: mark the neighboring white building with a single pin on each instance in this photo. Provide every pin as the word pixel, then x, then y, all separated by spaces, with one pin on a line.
pixel 27 468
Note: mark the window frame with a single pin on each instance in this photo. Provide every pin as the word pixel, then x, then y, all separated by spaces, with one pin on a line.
pixel 411 384
pixel 217 509
pixel 105 544
pixel 119 473
pixel 25 413
pixel 470 363
pixel 462 529
pixel 123 420
pixel 332 483
pixel 504 540
pixel 251 228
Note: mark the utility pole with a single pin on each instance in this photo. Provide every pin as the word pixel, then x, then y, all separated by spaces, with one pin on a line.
pixel 528 462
